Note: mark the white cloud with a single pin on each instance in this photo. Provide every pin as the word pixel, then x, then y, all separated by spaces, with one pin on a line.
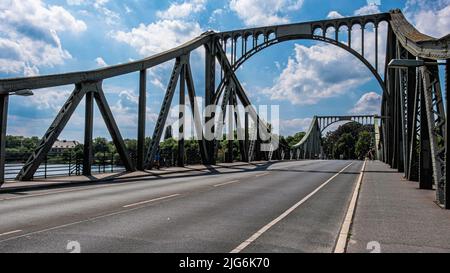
pixel 293 126
pixel 75 2
pixel 264 12
pixel 366 10
pixel 29 35
pixel 215 14
pixel 368 104
pixel 159 36
pixel 334 15
pixel 182 10
pixel 430 17
pixel 311 75
pixel 100 62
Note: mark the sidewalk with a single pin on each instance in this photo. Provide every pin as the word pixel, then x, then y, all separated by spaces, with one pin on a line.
pixel 395 214
pixel 54 182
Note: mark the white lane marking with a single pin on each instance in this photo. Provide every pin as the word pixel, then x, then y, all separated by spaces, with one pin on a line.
pixel 10 232
pixel 72 224
pixel 342 241
pixel 261 175
pixel 284 215
pixel 150 201
pixel 227 183
pixel 53 192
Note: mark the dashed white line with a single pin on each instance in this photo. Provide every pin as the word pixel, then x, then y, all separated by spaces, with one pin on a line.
pixel 227 183
pixel 284 215
pixel 10 232
pixel 261 175
pixel 150 201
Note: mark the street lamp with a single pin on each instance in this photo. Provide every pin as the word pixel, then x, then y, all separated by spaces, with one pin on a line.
pixel 22 93
pixel 405 63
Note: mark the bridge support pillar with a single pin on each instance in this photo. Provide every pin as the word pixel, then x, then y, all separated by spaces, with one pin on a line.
pixel 181 117
pixel 88 132
pixel 210 86
pixel 3 123
pixel 141 120
pixel 447 128
pixel 426 168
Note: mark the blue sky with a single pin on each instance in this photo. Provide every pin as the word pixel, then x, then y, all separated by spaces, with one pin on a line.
pixel 39 37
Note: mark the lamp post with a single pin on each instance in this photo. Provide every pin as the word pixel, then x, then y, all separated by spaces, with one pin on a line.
pixel 4 99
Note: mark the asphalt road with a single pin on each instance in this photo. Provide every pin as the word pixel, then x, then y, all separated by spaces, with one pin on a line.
pixel 282 207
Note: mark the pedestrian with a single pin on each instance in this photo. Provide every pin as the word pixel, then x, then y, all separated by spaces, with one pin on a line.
pixel 158 160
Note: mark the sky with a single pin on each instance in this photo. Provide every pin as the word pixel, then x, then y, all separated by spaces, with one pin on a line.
pixel 305 78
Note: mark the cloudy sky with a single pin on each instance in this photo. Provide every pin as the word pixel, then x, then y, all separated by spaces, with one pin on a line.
pixel 39 37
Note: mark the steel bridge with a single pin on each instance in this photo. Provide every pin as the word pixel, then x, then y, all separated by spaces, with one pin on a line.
pixel 413 128
pixel 310 147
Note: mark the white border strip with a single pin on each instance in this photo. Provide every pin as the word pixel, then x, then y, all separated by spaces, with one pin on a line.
pixel 150 201
pixel 284 215
pixel 341 245
pixel 11 232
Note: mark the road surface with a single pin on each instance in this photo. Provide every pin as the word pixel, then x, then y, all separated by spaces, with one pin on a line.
pixel 292 206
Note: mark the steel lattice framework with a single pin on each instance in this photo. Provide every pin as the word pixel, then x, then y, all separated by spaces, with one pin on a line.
pixel 413 128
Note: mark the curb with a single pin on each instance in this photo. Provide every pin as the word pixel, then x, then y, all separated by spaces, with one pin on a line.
pixel 344 234
pixel 57 185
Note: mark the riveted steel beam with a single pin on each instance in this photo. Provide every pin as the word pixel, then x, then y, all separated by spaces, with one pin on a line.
pixel 88 154
pixel 435 114
pixel 181 117
pixel 3 123
pixel 55 129
pixel 113 129
pixel 196 113
pixel 142 113
pixel 163 114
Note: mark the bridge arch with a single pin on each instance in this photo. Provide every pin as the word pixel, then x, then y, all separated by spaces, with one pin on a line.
pixel 271 42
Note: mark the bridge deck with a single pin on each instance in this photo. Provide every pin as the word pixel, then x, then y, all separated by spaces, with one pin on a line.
pixel 396 214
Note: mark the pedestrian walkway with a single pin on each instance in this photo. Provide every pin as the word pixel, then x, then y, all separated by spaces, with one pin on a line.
pixel 13 186
pixel 393 215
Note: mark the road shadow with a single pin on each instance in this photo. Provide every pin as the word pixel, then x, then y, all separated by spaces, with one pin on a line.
pixel 154 177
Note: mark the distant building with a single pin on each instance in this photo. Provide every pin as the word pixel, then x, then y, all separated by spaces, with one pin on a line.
pixel 61 146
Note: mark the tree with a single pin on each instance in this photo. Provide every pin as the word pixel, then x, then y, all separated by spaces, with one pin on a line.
pixel 100 145
pixel 345 146
pixel 363 145
pixel 294 140
pixel 332 139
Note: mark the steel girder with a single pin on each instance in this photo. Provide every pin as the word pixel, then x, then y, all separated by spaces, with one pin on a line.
pixel 311 144
pixel 142 116
pixel 3 122
pixel 413 131
pixel 38 156
pixel 436 125
pixel 163 114
pixel 61 120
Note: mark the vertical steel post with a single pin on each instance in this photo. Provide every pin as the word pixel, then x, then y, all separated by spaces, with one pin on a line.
pixel 376 47
pixel 181 116
pixel 426 168
pixel 362 39
pixel 447 184
pixel 230 128
pixel 141 120
pixel 88 132
pixel 210 85
pixel 3 123
pixel 350 36
pixel 247 135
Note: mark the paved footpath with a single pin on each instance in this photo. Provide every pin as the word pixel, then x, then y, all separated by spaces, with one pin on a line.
pixel 394 215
